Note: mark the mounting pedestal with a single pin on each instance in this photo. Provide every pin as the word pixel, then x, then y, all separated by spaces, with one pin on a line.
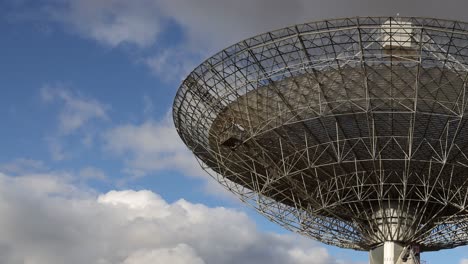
pixel 394 253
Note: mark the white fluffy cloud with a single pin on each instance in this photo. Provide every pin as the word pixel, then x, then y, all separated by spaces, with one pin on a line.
pixel 151 146
pixel 181 254
pixel 464 261
pixel 46 219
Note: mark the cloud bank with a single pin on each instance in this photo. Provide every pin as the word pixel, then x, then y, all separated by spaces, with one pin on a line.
pixel 45 218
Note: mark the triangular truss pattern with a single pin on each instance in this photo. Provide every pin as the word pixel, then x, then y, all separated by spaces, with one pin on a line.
pixel 349 131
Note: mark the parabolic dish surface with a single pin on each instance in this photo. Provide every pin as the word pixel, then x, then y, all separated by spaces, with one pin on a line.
pixel 350 131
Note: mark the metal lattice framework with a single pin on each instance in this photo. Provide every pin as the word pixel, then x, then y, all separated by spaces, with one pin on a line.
pixel 350 131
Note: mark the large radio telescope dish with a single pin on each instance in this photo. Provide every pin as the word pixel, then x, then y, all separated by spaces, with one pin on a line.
pixel 350 131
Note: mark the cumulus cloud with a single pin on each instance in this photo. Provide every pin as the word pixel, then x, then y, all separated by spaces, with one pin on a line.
pixel 181 254
pixel 46 219
pixel 151 146
pixel 76 111
pixel 464 261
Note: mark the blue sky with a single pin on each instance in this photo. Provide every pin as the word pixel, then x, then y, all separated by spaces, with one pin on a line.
pixel 90 164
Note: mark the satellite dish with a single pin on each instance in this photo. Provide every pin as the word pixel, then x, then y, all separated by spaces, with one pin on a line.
pixel 349 131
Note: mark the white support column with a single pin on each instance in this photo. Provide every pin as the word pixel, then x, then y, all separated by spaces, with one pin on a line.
pixel 394 253
pixel 391 252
